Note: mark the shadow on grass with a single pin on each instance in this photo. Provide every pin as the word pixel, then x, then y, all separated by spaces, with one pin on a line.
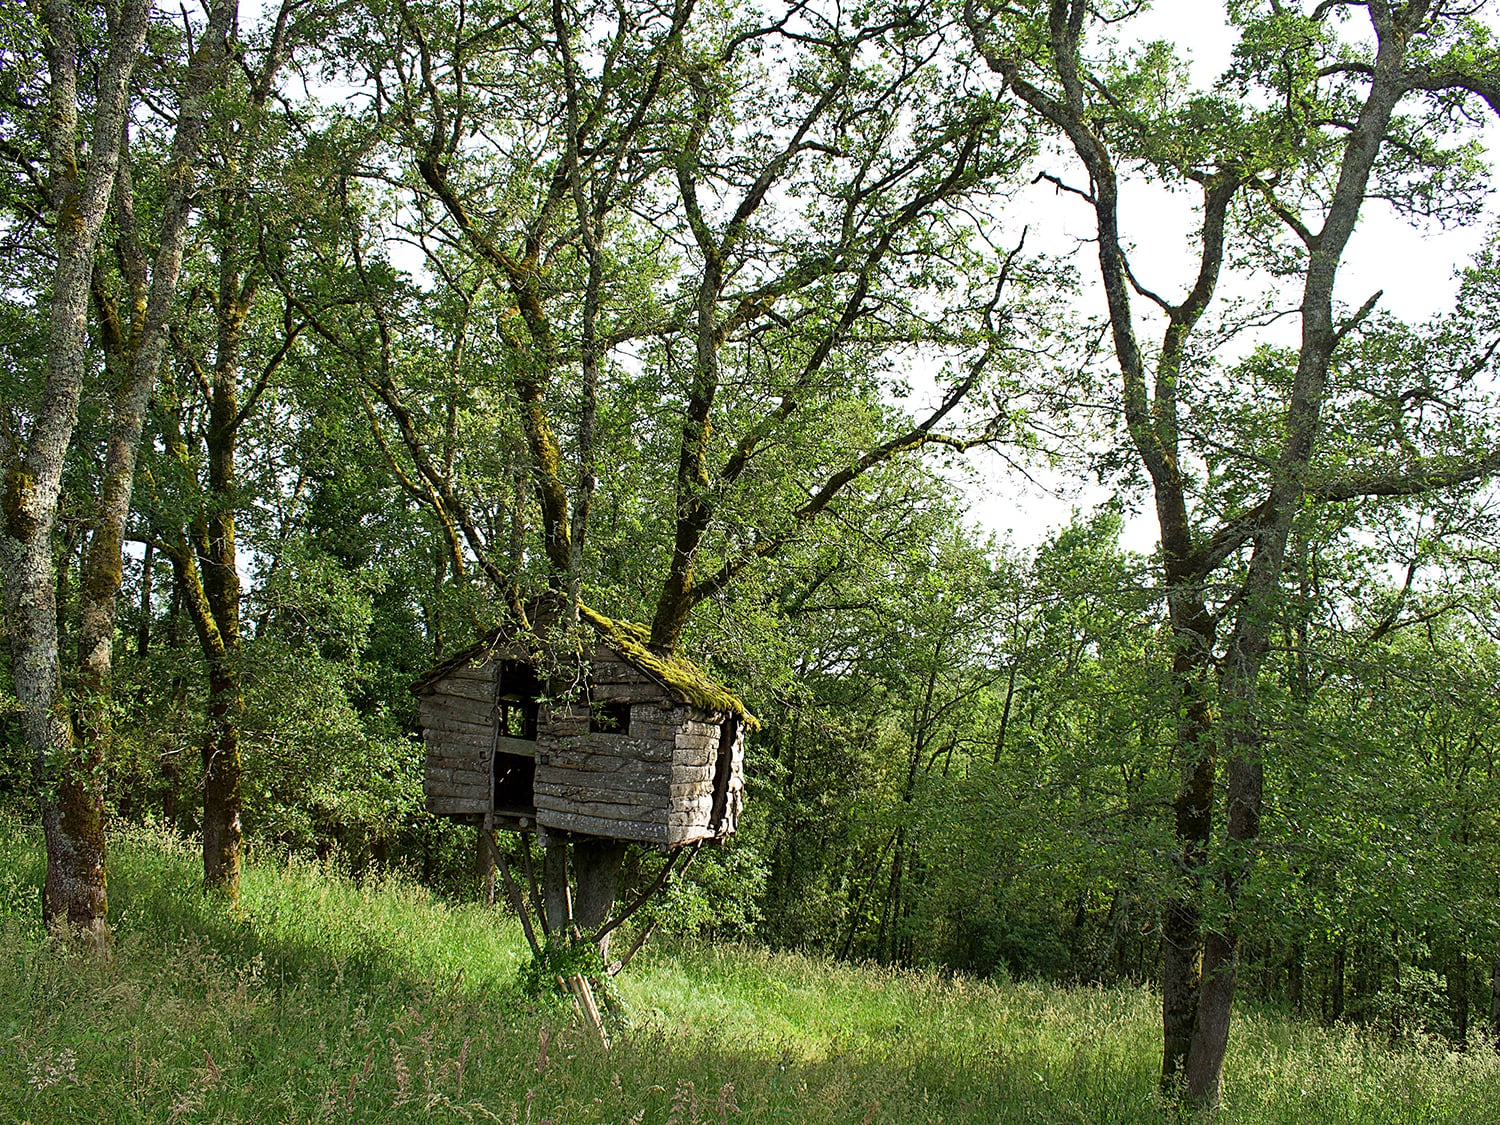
pixel 326 1000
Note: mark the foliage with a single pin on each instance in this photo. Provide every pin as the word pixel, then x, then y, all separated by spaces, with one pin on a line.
pixel 665 307
pixel 543 976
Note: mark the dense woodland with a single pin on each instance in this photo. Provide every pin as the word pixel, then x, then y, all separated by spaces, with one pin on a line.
pixel 335 334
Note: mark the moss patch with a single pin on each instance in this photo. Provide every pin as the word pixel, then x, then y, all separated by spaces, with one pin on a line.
pixel 683 678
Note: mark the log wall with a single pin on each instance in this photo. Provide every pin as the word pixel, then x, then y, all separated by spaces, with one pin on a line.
pixel 458 727
pixel 653 783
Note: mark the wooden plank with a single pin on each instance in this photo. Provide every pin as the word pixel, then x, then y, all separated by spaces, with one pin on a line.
pixel 438 707
pixel 649 731
pixel 456 806
pixel 464 689
pixel 606 827
pixel 479 673
pixel 691 809
pixel 460 722
pixel 694 755
pixel 608 666
pixel 461 774
pixel 610 809
pixel 436 767
pixel 520 747
pixel 469 796
pixel 469 757
pixel 470 715
pixel 588 768
pixel 687 833
pixel 605 787
pixel 462 765
pixel 626 747
pixel 451 738
pixel 661 712
pixel 439 775
pixel 647 795
pixel 457 757
pixel 614 746
pixel 607 692
pixel 584 763
pixel 458 726
pixel 654 788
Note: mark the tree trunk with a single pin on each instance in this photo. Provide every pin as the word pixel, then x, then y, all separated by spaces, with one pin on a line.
pixel 1495 1001
pixel 222 770
pixel 1458 996
pixel 68 782
pixel 1193 810
pixel 1295 958
pixel 596 878
pixel 557 897
pixel 1221 950
pixel 204 554
pixel 136 363
pixel 1336 1001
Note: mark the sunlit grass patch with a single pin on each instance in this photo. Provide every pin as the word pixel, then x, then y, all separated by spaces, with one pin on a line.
pixel 322 998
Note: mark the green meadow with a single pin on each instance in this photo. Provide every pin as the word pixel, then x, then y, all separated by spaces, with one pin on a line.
pixel 323 999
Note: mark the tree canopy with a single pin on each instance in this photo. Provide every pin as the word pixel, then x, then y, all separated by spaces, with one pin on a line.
pixel 337 337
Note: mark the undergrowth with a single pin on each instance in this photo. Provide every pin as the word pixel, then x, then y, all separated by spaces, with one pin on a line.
pixel 320 999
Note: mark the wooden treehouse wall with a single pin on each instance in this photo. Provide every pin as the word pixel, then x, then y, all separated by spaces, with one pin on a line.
pixel 674 776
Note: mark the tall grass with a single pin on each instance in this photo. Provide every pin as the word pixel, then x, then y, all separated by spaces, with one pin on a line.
pixel 323 999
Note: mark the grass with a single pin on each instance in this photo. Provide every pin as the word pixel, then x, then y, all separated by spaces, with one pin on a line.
pixel 326 1000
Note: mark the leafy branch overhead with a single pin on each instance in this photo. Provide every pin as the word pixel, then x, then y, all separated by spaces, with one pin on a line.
pixel 636 234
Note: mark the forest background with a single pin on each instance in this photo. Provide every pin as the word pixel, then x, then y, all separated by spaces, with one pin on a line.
pixel 336 333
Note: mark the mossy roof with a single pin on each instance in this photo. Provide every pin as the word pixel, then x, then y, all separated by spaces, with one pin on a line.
pixel 679 676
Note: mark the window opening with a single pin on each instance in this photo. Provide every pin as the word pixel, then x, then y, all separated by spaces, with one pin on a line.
pixel 514 783
pixel 609 718
pixel 517 707
pixel 516 703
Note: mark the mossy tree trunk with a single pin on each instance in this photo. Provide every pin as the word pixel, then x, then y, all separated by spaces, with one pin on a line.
pixel 204 553
pixel 68 776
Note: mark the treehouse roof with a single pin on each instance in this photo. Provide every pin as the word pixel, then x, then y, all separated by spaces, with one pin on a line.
pixel 680 677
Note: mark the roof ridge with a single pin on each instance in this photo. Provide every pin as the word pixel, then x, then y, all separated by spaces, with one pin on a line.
pixel 630 639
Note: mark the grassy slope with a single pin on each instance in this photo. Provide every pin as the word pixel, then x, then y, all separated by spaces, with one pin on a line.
pixel 327 1001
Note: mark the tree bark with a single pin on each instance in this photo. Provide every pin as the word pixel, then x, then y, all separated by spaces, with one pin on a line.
pixel 1458 996
pixel 557 897
pixel 596 876
pixel 1495 1001
pixel 67 777
pixel 1295 959
pixel 1336 988
pixel 211 576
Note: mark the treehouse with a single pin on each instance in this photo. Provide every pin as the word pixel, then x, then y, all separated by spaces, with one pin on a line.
pixel 634 746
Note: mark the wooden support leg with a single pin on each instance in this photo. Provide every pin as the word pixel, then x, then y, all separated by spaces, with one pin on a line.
pixel 516 899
